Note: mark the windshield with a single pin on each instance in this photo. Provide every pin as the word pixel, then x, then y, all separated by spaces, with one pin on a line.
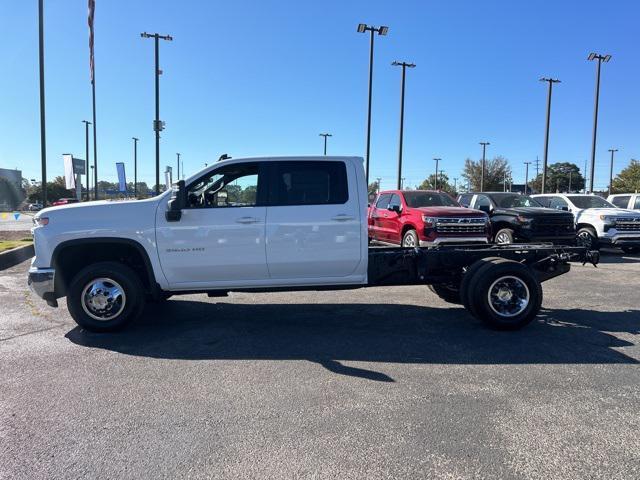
pixel 429 199
pixel 514 200
pixel 589 201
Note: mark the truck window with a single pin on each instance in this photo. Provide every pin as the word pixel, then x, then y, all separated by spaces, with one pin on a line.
pixel 310 183
pixel 465 199
pixel 637 204
pixel 383 201
pixel 395 200
pixel 621 201
pixel 482 200
pixel 229 186
pixel 558 203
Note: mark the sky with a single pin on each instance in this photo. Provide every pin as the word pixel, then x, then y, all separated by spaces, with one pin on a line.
pixel 253 78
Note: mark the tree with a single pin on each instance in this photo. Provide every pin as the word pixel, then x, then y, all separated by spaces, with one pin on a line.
pixel 55 191
pixel 374 187
pixel 443 183
pixel 628 180
pixel 558 178
pixel 494 174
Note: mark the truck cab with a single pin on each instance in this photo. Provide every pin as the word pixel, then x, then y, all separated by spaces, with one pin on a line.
pixel 628 201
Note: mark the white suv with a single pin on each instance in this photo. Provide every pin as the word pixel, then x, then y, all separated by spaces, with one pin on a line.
pixel 626 200
pixel 598 222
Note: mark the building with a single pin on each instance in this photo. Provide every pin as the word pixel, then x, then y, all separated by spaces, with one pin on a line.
pixel 11 193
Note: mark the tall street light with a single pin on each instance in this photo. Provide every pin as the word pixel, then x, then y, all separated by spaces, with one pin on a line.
pixel 86 148
pixel 382 31
pixel 455 184
pixel 526 176
pixel 135 166
pixel 612 150
pixel 43 128
pixel 178 169
pixel 600 59
pixel 551 81
pixel 325 135
pixel 484 159
pixel 435 183
pixel 404 66
pixel 158 126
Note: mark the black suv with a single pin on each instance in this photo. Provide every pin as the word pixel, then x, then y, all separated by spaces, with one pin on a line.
pixel 520 218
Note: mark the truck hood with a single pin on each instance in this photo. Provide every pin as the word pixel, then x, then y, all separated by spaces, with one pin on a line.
pixel 619 212
pixel 530 211
pixel 450 212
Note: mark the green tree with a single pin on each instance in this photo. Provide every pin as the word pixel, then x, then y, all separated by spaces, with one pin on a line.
pixel 628 180
pixel 374 187
pixel 495 171
pixel 55 191
pixel 443 183
pixel 558 178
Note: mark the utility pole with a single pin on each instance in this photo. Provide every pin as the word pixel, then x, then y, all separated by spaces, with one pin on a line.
pixel 484 151
pixel 612 150
pixel 86 148
pixel 404 66
pixel 600 59
pixel 158 126
pixel 178 169
pixel 435 183
pixel 550 81
pixel 135 166
pixel 402 183
pixel 325 135
pixel 455 184
pixel 378 179
pixel 43 128
pixel 526 176
pixel 570 172
pixel 382 31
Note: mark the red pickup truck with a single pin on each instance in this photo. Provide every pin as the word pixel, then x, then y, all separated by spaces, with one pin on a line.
pixel 424 218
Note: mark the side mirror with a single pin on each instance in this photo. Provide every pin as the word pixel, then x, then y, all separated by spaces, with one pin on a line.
pixel 566 209
pixel 177 203
pixel 394 208
pixel 484 208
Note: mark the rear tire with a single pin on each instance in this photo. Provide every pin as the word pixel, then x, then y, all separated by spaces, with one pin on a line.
pixel 505 295
pixel 504 237
pixel 587 237
pixel 447 292
pixel 410 239
pixel 105 296
pixel 466 280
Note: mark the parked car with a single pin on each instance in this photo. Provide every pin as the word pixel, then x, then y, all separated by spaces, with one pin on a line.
pixel 630 201
pixel 303 225
pixel 519 218
pixel 424 218
pixel 599 222
pixel 34 207
pixel 64 201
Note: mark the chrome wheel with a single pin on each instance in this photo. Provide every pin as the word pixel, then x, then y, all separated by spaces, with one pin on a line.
pixel 503 238
pixel 103 299
pixel 409 240
pixel 585 239
pixel 508 296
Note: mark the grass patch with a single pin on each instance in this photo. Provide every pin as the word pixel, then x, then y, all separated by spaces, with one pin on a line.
pixel 9 244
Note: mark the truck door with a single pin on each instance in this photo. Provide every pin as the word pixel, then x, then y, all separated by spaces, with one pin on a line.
pixel 379 210
pixel 314 225
pixel 392 227
pixel 220 238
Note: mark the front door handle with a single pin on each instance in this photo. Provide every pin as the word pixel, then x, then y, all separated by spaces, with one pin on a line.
pixel 342 218
pixel 247 220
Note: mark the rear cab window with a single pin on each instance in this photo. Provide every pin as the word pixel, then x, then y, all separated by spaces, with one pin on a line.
pixel 308 183
pixel 622 201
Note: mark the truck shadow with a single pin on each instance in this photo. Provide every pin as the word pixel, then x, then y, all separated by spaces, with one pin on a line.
pixel 330 333
pixel 611 255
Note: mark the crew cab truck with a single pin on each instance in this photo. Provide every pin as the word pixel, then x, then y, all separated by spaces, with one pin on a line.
pixel 599 223
pixel 265 224
pixel 629 201
pixel 519 218
pixel 424 218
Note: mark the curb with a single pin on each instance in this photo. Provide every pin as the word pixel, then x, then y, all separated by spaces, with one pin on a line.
pixel 15 256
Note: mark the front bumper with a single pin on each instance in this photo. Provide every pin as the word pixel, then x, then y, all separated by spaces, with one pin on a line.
pixel 41 281
pixel 453 240
pixel 621 240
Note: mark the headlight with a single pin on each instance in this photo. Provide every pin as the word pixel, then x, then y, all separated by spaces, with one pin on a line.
pixel 40 221
pixel 523 220
pixel 611 220
pixel 428 221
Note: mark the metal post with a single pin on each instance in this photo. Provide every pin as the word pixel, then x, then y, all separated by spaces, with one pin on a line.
pixel 86 147
pixel 182 169
pixel 526 176
pixel 404 66
pixel 435 183
pixel 325 135
pixel 600 59
pixel 135 167
pixel 570 172
pixel 551 81
pixel 612 150
pixel 484 151
pixel 455 184
pixel 178 169
pixel 43 136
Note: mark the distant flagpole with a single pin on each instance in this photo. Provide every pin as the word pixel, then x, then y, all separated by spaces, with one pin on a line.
pixel 92 7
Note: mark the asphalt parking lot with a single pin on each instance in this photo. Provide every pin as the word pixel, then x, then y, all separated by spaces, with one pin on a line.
pixel 372 383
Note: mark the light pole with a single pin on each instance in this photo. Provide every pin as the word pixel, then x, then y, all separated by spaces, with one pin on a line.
pixel 455 184
pixel 382 31
pixel 92 171
pixel 484 151
pixel 86 148
pixel 158 126
pixel 435 183
pixel 551 81
pixel 404 66
pixel 402 183
pixel 526 176
pixel 600 59
pixel 178 169
pixel 325 135
pixel 135 166
pixel 612 150
pixel 43 128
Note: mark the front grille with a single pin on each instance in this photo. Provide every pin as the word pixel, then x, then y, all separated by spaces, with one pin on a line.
pixel 461 225
pixel 553 225
pixel 628 224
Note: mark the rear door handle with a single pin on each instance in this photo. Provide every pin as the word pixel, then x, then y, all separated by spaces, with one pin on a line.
pixel 247 220
pixel 342 218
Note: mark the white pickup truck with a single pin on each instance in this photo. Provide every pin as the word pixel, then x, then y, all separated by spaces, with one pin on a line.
pixel 264 224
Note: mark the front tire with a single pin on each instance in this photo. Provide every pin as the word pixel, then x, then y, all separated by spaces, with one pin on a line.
pixel 504 237
pixel 105 296
pixel 587 237
pixel 410 239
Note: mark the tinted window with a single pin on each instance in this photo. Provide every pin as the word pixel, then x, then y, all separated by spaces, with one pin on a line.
pixel 511 200
pixel 637 204
pixel 383 200
pixel 465 199
pixel 229 186
pixel 589 201
pixel 544 201
pixel 482 200
pixel 310 183
pixel 621 202
pixel 558 203
pixel 429 199
pixel 395 200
